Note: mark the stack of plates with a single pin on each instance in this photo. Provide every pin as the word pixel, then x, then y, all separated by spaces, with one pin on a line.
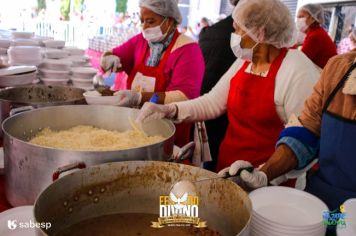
pixel 82 77
pixel 95 98
pixel 17 75
pixel 350 219
pixel 280 211
pixel 59 44
pixel 25 55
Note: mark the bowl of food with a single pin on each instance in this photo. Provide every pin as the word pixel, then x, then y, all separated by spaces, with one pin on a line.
pixel 105 97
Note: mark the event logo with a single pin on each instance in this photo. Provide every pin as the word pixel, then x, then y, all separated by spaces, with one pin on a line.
pixel 336 217
pixel 179 210
pixel 11 224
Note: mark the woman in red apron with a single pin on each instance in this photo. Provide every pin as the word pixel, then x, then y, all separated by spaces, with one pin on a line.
pixel 256 90
pixel 159 62
pixel 327 130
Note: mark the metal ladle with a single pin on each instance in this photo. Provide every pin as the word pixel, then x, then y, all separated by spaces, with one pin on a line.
pixel 189 184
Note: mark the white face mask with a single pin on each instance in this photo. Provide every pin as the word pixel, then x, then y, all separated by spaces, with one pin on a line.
pixel 154 34
pixel 302 24
pixel 243 53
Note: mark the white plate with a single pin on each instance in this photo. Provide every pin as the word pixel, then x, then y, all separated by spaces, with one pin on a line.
pixel 13 70
pixel 55 53
pixel 25 42
pixel 23 214
pixel 275 230
pixel 84 72
pixel 16 80
pixel 95 98
pixel 74 51
pixel 54 43
pixel 22 35
pixel 5 43
pixel 350 218
pixel 288 207
pixel 53 64
pixel 55 82
pixel 258 220
pixel 54 74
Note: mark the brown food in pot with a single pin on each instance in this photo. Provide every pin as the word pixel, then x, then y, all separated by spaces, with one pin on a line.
pixel 106 92
pixel 131 224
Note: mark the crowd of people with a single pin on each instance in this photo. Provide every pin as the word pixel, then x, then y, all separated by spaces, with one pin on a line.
pixel 266 103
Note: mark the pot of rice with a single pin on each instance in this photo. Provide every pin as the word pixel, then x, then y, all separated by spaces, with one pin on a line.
pixel 40 144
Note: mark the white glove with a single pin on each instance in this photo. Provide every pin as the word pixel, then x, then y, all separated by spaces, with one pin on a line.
pixel 128 98
pixel 256 179
pixel 110 62
pixel 151 111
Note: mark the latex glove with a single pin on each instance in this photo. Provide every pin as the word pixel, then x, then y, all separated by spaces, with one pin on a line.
pixel 128 98
pixel 256 179
pixel 151 111
pixel 110 63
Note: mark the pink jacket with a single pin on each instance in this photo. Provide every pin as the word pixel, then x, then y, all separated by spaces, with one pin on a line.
pixel 185 67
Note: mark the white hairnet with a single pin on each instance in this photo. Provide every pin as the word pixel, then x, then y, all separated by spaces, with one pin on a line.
pixel 266 21
pixel 315 10
pixel 166 8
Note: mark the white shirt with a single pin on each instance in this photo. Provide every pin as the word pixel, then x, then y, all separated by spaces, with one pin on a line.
pixel 294 83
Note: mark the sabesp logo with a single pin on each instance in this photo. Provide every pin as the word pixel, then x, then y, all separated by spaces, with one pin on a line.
pixel 11 224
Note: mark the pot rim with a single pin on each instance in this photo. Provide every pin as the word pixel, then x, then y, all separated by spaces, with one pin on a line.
pixel 7 134
pixel 244 230
pixel 42 103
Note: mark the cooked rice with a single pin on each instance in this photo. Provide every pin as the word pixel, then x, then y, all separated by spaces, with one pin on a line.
pixel 89 138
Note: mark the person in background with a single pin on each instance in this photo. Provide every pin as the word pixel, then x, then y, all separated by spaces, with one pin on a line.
pixel 204 22
pixel 261 90
pixel 326 129
pixel 349 43
pixel 317 44
pixel 159 61
pixel 215 44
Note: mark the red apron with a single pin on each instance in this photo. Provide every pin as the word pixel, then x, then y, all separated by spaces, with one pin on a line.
pixel 254 125
pixel 182 135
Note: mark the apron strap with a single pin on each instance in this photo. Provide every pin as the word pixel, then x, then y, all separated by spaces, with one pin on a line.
pixel 338 87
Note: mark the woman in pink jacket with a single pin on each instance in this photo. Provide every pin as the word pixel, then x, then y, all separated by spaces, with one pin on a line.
pixel 159 61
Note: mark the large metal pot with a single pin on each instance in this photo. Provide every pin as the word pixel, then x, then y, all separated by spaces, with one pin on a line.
pixel 135 187
pixel 29 168
pixel 37 96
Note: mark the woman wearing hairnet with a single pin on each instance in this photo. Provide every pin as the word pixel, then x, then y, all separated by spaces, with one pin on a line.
pixel 326 129
pixel 264 86
pixel 159 60
pixel 317 44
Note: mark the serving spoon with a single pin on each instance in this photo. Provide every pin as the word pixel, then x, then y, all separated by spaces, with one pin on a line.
pixel 186 185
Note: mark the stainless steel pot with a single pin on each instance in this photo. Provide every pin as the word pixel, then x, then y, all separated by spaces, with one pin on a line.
pixel 135 187
pixel 37 96
pixel 29 168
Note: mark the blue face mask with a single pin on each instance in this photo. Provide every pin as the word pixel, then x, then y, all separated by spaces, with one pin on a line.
pixel 110 80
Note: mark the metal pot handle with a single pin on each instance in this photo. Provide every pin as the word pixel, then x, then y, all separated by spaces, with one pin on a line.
pixel 60 170
pixel 20 109
pixel 184 153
